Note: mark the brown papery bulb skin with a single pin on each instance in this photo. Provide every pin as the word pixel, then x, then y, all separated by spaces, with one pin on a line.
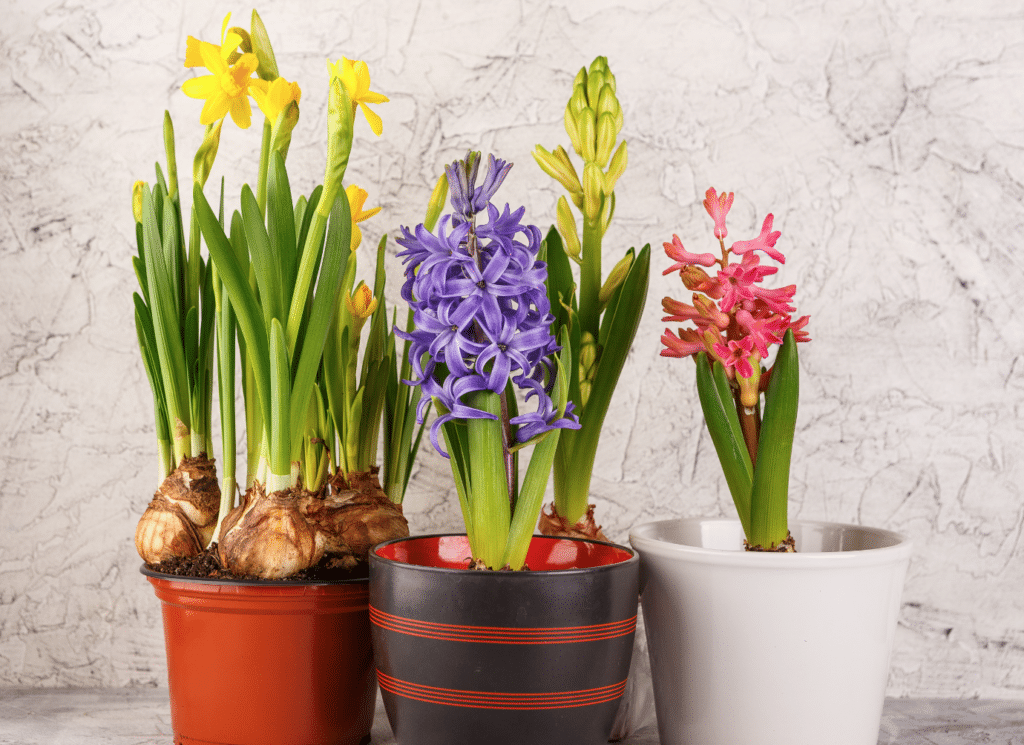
pixel 182 516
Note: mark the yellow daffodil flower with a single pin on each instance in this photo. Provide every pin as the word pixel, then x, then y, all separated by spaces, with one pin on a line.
pixel 356 200
pixel 227 88
pixel 276 97
pixel 355 76
pixel 228 43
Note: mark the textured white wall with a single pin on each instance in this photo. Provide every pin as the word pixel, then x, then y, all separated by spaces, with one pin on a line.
pixel 885 136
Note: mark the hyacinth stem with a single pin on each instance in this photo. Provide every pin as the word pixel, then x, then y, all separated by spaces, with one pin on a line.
pixel 489 499
pixel 590 277
pixel 750 424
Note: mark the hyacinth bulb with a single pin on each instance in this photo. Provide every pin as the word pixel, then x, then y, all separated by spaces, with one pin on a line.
pixel 182 516
pixel 551 523
pixel 270 536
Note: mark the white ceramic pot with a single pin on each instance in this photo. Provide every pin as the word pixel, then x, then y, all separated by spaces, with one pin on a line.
pixel 749 648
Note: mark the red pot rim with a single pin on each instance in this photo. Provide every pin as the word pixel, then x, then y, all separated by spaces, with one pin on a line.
pixel 547 554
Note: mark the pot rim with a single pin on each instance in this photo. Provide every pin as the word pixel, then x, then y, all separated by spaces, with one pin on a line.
pixel 153 574
pixel 633 558
pixel 900 550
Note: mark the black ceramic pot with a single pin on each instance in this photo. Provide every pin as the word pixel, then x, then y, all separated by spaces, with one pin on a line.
pixel 502 658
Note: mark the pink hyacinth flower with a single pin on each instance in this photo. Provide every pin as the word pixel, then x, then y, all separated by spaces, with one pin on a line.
pixel 718 207
pixel 684 258
pixel 764 242
pixel 736 356
pixel 762 331
pixel 776 300
pixel 684 345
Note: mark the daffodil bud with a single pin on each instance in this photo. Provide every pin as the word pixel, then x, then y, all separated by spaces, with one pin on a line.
pixel 281 132
pixel 172 160
pixel 438 199
pixel 605 141
pixel 137 188
pixel 260 45
pixel 202 164
pixel 615 278
pixel 593 184
pixel 360 305
pixel 567 229
pixel 616 168
pixel 340 121
pixel 587 123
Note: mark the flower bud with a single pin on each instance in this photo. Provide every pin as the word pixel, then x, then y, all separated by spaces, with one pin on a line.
pixel 137 188
pixel 749 394
pixel 593 184
pixel 361 303
pixel 615 278
pixel 696 279
pixel 558 168
pixel 438 198
pixel 281 132
pixel 571 129
pixel 605 138
pixel 340 122
pixel 616 168
pixel 587 124
pixel 202 164
pixel 607 103
pixel 260 43
pixel 567 229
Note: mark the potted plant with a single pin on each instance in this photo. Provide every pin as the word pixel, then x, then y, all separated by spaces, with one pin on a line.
pixel 600 314
pixel 760 630
pixel 496 635
pixel 271 641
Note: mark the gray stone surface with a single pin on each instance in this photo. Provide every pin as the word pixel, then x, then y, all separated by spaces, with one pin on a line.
pixel 141 716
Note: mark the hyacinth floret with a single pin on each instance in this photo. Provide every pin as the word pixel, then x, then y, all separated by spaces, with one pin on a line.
pixel 735 320
pixel 481 314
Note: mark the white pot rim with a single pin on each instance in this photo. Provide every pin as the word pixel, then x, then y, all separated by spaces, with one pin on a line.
pixel 896 547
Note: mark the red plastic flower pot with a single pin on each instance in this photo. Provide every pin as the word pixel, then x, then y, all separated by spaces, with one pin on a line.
pixel 503 658
pixel 279 662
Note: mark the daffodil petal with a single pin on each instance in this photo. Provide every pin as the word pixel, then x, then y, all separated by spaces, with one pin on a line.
pixel 193 53
pixel 372 97
pixel 212 60
pixel 241 112
pixel 202 87
pixel 230 44
pixel 372 119
pixel 215 108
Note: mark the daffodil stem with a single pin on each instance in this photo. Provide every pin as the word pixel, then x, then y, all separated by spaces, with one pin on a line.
pixel 261 185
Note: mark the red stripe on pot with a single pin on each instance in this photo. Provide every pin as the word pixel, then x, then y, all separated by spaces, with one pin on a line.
pixel 501 634
pixel 505 701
